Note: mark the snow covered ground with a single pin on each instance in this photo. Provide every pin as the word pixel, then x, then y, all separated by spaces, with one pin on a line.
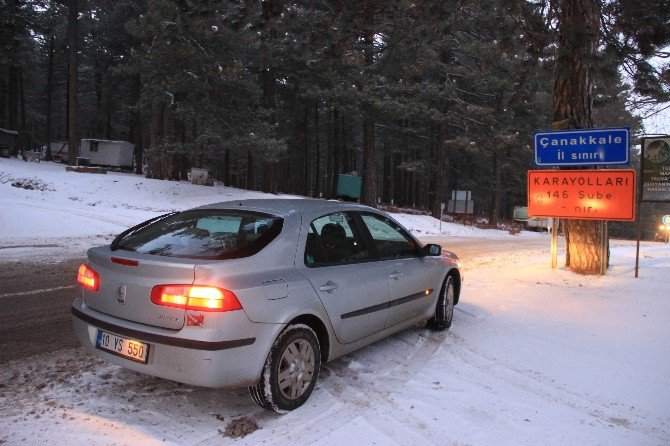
pixel 534 356
pixel 48 211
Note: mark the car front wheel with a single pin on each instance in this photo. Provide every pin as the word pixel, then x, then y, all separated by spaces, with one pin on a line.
pixel 290 371
pixel 444 311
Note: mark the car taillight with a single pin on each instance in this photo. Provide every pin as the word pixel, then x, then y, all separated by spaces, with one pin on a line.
pixel 195 297
pixel 88 278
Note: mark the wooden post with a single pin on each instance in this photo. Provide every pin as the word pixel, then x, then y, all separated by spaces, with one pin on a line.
pixel 638 229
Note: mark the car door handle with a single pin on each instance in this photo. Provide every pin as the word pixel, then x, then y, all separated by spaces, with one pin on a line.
pixel 329 287
pixel 395 275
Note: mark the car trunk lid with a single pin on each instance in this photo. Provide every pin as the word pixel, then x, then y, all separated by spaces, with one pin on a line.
pixel 126 281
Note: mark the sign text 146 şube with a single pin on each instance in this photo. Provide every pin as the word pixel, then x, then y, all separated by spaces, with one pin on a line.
pixel 584 194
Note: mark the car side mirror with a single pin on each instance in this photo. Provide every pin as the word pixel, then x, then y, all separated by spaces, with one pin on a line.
pixel 431 249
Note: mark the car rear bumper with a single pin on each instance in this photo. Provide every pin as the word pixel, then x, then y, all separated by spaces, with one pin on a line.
pixel 176 356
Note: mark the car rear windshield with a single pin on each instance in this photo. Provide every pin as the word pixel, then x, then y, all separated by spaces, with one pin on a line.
pixel 203 234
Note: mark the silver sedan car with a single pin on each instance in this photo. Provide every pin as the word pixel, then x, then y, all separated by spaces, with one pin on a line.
pixel 259 293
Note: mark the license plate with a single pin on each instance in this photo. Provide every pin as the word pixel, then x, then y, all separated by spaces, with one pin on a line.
pixel 126 348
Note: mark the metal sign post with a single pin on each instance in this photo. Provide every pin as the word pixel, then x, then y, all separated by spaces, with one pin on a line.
pixel 554 243
pixel 604 248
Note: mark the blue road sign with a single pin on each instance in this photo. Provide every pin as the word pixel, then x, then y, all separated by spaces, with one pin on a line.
pixel 587 147
pixel 666 219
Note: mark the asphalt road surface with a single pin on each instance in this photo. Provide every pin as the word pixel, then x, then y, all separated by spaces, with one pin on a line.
pixel 35 297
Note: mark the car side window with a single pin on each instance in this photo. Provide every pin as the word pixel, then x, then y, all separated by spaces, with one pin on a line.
pixel 333 239
pixel 391 240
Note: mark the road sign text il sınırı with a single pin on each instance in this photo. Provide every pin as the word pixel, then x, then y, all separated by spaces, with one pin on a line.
pixel 582 147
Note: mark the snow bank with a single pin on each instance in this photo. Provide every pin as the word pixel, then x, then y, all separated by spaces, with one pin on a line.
pixel 73 211
pixel 42 205
pixel 425 225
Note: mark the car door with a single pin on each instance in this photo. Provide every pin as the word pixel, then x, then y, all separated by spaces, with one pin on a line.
pixel 410 276
pixel 352 286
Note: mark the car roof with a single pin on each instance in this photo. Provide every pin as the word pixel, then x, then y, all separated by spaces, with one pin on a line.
pixel 286 206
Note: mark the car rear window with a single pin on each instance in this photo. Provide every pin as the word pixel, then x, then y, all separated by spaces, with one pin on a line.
pixel 203 234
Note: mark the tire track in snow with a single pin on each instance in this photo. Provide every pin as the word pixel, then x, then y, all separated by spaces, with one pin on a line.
pixel 366 396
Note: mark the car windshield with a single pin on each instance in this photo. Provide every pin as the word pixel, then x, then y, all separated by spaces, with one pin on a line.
pixel 204 234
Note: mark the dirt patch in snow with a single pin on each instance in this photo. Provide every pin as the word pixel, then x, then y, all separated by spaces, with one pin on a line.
pixel 240 427
pixel 32 184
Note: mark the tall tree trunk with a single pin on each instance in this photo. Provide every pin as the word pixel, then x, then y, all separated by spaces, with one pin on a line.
pixel 439 177
pixel 399 180
pixel 73 131
pixel 386 176
pixel 268 182
pixel 50 71
pixel 392 178
pixel 305 154
pixel 135 134
pixel 226 169
pixel 327 184
pixel 336 152
pixel 369 193
pixel 13 98
pixel 66 130
pixel 13 75
pixel 23 134
pixel 98 100
pixel 250 171
pixel 577 43
pixel 494 212
pixel 317 159
pixel 156 135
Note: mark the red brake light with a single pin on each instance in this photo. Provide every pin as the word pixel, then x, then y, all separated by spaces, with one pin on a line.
pixel 88 278
pixel 201 298
pixel 126 262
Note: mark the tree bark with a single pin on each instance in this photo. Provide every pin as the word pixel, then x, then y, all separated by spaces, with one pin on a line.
pixel 135 133
pixel 250 171
pixel 494 212
pixel 305 154
pixel 50 70
pixel 226 169
pixel 439 169
pixel 98 99
pixel 317 159
pixel 13 75
pixel 369 192
pixel 156 135
pixel 23 134
pixel 577 43
pixel 386 176
pixel 73 131
pixel 336 152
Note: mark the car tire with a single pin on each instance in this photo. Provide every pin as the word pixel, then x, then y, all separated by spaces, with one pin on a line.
pixel 290 371
pixel 444 310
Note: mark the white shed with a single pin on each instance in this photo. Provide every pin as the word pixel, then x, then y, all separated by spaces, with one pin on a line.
pixel 103 152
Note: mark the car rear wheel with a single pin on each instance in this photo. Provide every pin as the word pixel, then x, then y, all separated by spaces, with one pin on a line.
pixel 444 311
pixel 290 371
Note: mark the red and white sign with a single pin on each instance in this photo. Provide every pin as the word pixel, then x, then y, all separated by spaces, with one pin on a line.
pixel 582 194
